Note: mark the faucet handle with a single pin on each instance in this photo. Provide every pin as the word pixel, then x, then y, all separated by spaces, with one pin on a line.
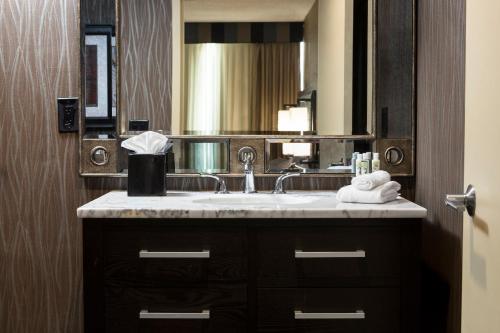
pixel 278 186
pixel 221 187
pixel 248 165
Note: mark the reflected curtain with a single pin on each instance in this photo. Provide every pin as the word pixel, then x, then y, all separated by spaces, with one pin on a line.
pixel 278 82
pixel 238 87
pixel 235 88
pixel 203 80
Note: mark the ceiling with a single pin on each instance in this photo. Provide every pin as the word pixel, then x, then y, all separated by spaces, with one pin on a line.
pixel 246 10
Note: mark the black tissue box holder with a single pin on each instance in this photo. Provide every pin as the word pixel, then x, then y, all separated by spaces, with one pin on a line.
pixel 147 175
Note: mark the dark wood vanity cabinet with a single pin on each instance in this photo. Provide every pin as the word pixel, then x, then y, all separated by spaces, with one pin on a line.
pixel 307 276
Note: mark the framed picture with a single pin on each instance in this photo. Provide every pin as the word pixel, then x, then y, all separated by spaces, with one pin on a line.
pixel 100 76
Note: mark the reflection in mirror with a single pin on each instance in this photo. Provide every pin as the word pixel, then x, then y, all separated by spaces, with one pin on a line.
pixel 201 156
pixel 99 66
pixel 312 156
pixel 247 65
pixel 146 63
pixel 277 67
pixel 192 156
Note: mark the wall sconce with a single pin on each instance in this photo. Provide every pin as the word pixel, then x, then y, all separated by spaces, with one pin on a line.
pixel 294 120
pixel 296 149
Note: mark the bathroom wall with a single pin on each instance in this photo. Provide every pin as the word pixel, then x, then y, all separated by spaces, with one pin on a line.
pixel 440 140
pixel 146 61
pixel 335 26
pixel 311 49
pixel 40 236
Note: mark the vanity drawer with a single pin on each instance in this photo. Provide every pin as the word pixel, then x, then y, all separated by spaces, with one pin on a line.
pixel 179 310
pixel 328 256
pixel 348 310
pixel 173 256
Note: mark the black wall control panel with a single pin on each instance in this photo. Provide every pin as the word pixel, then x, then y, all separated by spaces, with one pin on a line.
pixel 67 109
pixel 138 125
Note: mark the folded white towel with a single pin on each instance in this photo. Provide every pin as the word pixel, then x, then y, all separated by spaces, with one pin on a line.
pixel 384 193
pixel 370 181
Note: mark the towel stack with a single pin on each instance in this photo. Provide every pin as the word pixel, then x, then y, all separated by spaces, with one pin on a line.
pixel 371 188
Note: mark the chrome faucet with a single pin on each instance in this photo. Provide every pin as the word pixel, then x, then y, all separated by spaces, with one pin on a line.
pixel 249 186
pixel 278 186
pixel 220 187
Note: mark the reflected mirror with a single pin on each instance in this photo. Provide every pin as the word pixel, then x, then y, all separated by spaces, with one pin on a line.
pixel 224 67
pixel 99 67
pixel 195 156
pixel 191 156
pixel 312 155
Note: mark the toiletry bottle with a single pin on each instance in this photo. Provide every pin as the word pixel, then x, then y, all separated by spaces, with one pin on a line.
pixel 353 162
pixel 359 160
pixel 364 164
pixel 369 159
pixel 375 162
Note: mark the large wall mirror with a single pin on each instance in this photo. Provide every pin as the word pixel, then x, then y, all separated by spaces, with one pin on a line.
pixel 268 67
pixel 248 68
pixel 240 66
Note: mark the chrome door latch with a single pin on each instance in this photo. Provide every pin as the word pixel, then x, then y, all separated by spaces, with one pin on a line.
pixel 463 202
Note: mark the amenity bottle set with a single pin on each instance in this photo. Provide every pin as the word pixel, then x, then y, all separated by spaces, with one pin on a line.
pixel 363 164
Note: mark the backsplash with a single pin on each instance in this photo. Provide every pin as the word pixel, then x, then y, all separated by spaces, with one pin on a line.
pixel 98 186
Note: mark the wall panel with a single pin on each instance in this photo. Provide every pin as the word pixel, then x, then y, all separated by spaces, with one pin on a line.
pixel 146 60
pixel 440 140
pixel 40 275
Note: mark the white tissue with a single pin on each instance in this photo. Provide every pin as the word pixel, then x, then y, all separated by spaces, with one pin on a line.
pixel 146 143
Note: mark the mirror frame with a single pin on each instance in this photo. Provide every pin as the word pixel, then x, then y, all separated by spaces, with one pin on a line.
pixel 121 133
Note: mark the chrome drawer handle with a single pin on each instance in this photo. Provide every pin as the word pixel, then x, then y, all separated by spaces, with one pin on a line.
pixel 145 314
pixel 200 254
pixel 347 254
pixel 347 315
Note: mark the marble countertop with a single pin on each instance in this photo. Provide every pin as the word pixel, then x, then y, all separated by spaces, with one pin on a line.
pixel 297 204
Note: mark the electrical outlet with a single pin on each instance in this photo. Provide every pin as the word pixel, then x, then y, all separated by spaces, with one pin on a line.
pixel 67 110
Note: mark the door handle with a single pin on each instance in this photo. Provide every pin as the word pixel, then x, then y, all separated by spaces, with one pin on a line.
pixel 463 202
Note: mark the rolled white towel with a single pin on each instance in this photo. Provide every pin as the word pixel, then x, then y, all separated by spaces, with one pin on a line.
pixel 384 193
pixel 370 181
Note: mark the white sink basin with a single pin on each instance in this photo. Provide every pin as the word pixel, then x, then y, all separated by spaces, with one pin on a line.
pixel 261 200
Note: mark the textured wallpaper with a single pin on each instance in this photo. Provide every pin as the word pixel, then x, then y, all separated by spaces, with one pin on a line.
pixel 40 236
pixel 146 60
pixel 40 275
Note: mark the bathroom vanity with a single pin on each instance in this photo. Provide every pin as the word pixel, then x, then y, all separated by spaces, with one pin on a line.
pixel 201 262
